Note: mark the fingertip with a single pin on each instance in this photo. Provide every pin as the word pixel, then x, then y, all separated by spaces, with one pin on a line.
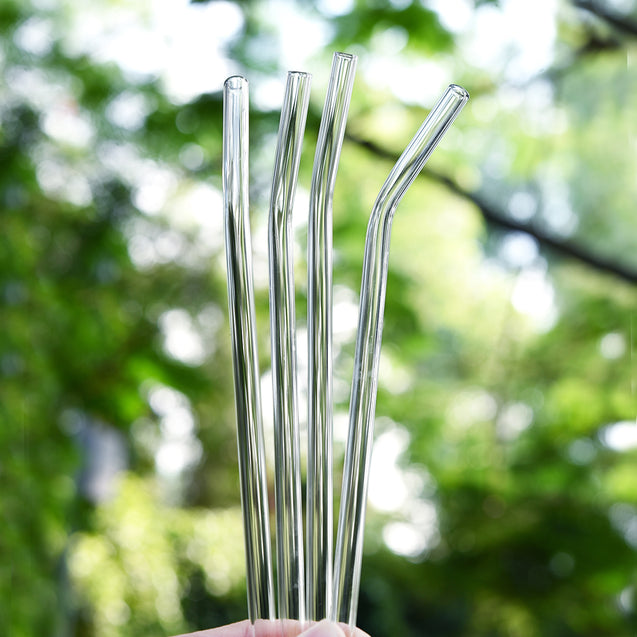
pixel 324 628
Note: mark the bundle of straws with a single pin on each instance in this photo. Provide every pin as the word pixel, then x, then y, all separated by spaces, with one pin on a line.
pixel 308 589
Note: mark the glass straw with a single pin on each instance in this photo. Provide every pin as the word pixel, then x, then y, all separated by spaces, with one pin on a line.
pixel 349 543
pixel 287 485
pixel 254 495
pixel 319 322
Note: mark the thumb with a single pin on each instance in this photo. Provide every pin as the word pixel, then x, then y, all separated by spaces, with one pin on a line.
pixel 324 628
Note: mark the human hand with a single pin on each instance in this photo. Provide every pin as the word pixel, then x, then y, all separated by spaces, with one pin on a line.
pixel 279 628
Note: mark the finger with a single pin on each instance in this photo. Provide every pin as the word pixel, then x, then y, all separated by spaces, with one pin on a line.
pixel 279 628
pixel 261 628
pixel 324 628
pixel 239 629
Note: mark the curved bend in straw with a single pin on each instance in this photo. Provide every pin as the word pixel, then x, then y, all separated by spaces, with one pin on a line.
pixel 287 475
pixel 254 495
pixel 319 329
pixel 349 543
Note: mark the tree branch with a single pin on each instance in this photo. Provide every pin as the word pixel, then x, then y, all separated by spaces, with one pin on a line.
pixel 617 20
pixel 496 217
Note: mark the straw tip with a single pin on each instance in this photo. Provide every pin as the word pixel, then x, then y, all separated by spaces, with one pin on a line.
pixel 460 92
pixel 235 82
pixel 301 75
pixel 346 57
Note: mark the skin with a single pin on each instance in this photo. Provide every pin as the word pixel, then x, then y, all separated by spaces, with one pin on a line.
pixel 279 628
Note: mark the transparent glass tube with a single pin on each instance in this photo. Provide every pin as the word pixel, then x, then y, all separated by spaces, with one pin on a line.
pixel 349 543
pixel 254 495
pixel 319 322
pixel 287 485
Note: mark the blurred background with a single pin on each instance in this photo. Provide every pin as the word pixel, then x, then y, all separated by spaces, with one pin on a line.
pixel 503 496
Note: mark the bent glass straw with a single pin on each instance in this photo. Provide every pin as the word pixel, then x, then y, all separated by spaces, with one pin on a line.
pixel 287 486
pixel 319 322
pixel 254 497
pixel 349 543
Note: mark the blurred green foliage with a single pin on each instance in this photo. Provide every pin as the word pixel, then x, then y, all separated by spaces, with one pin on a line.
pixel 506 406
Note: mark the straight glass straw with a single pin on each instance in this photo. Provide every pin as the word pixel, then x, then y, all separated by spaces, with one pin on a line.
pixel 349 543
pixel 287 485
pixel 254 495
pixel 319 322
